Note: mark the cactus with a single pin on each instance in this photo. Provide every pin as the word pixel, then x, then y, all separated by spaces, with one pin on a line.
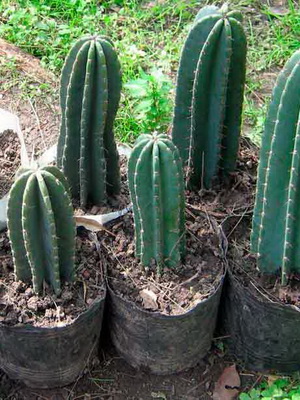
pixel 276 221
pixel 41 228
pixel 89 99
pixel 209 95
pixel 157 192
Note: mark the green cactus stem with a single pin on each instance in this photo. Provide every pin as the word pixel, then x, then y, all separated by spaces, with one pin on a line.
pixel 89 98
pixel 42 228
pixel 276 221
pixel 157 192
pixel 209 95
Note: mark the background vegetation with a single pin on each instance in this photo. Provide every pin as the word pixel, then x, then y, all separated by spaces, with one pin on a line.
pixel 148 36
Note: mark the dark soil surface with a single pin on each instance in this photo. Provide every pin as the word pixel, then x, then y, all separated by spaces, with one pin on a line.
pixel 177 290
pixel 119 202
pixel 10 160
pixel 244 267
pixel 19 303
pixel 112 378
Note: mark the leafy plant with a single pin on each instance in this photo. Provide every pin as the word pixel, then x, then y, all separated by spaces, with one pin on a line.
pixel 281 389
pixel 42 228
pixel 157 193
pixel 89 99
pixel 152 105
pixel 209 95
pixel 275 227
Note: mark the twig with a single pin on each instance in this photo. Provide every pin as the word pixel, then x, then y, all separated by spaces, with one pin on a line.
pixel 237 224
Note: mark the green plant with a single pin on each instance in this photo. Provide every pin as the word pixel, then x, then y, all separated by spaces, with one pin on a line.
pixel 41 228
pixel 284 30
pixel 281 389
pixel 275 229
pixel 89 99
pixel 157 192
pixel 145 34
pixel 209 95
pixel 153 106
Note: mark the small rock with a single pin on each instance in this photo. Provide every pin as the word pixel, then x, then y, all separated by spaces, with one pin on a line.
pixel 86 274
pixel 48 313
pixel 29 292
pixel 67 295
pixel 149 299
pixel 32 303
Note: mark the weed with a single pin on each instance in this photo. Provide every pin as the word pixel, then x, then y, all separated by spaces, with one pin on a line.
pixel 281 389
pixel 152 107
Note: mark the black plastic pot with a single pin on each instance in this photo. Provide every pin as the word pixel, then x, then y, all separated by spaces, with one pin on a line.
pixel 159 343
pixel 51 357
pixel 263 334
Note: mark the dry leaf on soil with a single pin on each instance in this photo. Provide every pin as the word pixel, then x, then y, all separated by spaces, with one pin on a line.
pixel 227 386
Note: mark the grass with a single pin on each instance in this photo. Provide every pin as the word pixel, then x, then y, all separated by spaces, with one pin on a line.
pixel 149 35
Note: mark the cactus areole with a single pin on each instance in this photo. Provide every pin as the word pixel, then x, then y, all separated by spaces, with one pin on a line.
pixel 209 95
pixel 276 221
pixel 41 228
pixel 157 192
pixel 89 98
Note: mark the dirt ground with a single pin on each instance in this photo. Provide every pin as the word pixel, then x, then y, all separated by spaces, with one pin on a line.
pixel 111 378
pixel 114 379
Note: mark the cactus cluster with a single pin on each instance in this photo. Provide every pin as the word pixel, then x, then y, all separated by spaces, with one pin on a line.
pixel 41 228
pixel 157 192
pixel 276 221
pixel 209 95
pixel 89 99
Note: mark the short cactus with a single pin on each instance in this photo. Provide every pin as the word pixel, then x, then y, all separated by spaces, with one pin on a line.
pixel 276 221
pixel 209 95
pixel 157 192
pixel 89 99
pixel 41 228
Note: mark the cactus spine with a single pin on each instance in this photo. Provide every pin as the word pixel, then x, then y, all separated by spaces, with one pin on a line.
pixel 276 221
pixel 157 193
pixel 209 95
pixel 42 228
pixel 89 98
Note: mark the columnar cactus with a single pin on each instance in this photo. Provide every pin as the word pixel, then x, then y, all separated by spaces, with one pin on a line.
pixel 276 221
pixel 157 192
pixel 209 95
pixel 41 228
pixel 89 99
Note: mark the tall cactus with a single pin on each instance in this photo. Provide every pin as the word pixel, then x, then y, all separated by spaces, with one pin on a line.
pixel 276 221
pixel 209 95
pixel 157 193
pixel 89 99
pixel 41 228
